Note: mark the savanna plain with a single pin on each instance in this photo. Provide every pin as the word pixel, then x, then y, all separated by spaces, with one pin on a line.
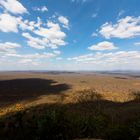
pixel 69 105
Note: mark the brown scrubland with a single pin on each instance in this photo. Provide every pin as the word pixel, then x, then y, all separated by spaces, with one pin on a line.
pixel 69 106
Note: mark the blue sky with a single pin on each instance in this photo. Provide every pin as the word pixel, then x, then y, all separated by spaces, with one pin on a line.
pixel 69 35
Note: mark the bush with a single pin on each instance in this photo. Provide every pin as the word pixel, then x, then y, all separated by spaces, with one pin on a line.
pixel 135 129
pixel 136 95
pixel 88 95
pixel 59 122
pixel 118 132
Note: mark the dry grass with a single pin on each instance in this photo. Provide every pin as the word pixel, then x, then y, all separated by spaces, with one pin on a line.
pixel 72 88
pixel 92 106
pixel 13 108
pixel 85 95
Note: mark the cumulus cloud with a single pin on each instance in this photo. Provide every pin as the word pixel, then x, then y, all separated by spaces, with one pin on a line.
pixel 29 25
pixel 113 60
pixel 116 57
pixel 8 47
pixel 53 31
pixel 42 9
pixel 49 37
pixel 8 23
pixel 102 46
pixel 124 28
pixel 13 6
pixel 28 61
pixel 37 33
pixel 64 21
pixel 34 42
pixel 52 34
pixel 44 35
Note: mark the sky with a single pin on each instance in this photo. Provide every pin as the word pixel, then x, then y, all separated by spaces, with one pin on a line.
pixel 69 35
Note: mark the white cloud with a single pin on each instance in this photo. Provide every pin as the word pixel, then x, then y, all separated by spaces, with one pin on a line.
pixel 64 21
pixel 34 42
pixel 26 25
pixel 13 6
pixel 29 25
pixel 106 61
pixel 53 34
pixel 116 57
pixel 57 52
pixel 121 60
pixel 124 28
pixel 42 9
pixel 105 45
pixel 8 47
pixel 14 60
pixel 137 44
pixel 54 31
pixel 51 37
pixel 26 61
pixel 38 34
pixel 8 23
pixel 32 56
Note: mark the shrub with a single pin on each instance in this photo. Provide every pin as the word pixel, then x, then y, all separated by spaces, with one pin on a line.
pixel 136 95
pixel 88 95
pixel 135 129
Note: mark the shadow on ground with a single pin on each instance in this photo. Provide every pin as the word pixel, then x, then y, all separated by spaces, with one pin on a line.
pixel 12 91
pixel 91 117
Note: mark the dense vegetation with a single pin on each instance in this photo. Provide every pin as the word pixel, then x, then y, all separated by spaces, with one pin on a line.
pixel 91 117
